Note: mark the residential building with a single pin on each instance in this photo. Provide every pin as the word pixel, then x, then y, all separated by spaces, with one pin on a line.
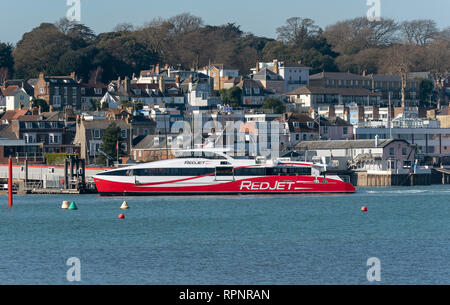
pixel 220 74
pixel 91 93
pixel 430 138
pixel 314 96
pixel 16 98
pixel 385 85
pixel 200 94
pixel 156 147
pixel 394 155
pixel 20 150
pixel 297 127
pixel 253 92
pixel 58 91
pixel 271 81
pixel 89 136
pixel 48 128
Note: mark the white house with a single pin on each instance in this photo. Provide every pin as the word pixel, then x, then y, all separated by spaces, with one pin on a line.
pixel 15 97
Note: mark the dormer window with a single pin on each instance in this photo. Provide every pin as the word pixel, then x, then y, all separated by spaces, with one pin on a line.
pixel 310 124
pixel 156 141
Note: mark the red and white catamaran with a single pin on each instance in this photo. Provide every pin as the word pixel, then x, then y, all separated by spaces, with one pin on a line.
pixel 211 172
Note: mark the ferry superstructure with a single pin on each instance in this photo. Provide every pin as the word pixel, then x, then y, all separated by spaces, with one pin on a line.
pixel 200 172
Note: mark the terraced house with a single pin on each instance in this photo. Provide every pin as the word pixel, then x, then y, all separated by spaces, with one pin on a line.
pixel 58 91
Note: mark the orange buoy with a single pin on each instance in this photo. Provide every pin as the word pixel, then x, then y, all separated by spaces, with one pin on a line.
pixel 121 216
pixel 364 209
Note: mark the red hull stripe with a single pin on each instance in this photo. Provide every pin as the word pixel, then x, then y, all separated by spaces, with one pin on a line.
pixel 268 184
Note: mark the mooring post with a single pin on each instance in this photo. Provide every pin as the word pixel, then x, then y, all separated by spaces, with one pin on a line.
pixel 65 174
pixel 10 184
pixel 26 174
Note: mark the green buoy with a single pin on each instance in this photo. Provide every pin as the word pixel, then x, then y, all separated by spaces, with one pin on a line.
pixel 73 206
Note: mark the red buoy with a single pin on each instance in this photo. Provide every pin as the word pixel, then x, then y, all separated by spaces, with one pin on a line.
pixel 121 216
pixel 364 209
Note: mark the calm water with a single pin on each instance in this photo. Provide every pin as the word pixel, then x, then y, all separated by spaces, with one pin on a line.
pixel 230 240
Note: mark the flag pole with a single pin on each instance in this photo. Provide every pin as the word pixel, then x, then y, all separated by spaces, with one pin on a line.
pixel 10 184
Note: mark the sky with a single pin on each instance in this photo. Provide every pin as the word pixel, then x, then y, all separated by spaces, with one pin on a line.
pixel 260 17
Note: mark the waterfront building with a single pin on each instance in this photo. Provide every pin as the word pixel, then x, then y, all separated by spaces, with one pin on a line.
pixel 430 138
pixel 394 155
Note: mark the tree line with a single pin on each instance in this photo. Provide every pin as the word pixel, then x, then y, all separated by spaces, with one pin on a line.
pixel 184 41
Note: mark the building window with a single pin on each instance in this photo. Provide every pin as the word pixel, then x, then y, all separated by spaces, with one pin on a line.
pixel 404 151
pixel 41 90
pixel 392 151
pixel 123 133
pixel 56 90
pixel 345 130
pixel 96 133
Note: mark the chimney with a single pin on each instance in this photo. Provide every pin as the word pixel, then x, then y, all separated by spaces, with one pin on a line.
pixel 51 108
pixel 73 76
pixel 364 73
pixel 157 69
pixel 40 110
pixel 125 84
pixel 41 75
pixel 275 66
pixel 376 141
pixel 177 80
pixel 166 66
pixel 161 84
pixel 257 66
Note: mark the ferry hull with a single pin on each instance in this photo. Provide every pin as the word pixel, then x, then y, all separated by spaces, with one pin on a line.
pixel 260 185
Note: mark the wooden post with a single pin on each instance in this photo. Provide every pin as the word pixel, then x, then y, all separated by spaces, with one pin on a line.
pixel 65 174
pixel 26 173
pixel 10 184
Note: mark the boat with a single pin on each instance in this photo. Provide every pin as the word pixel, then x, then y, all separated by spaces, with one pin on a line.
pixel 213 172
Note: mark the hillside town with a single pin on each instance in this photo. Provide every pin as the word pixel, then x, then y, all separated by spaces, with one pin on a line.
pixel 365 121
pixel 379 116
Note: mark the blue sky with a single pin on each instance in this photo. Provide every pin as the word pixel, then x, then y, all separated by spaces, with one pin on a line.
pixel 260 17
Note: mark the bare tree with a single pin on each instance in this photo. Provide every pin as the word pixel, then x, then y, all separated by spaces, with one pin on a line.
pixel 419 32
pixel 438 54
pixel 297 30
pixel 123 27
pixel 185 23
pixel 4 73
pixel 399 60
pixel 351 36
pixel 65 25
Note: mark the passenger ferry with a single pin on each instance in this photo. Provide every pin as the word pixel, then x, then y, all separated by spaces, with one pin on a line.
pixel 212 172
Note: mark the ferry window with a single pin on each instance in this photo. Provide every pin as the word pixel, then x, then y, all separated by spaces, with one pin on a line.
pixel 114 173
pixel 224 171
pixel 173 171
pixel 288 171
pixel 251 171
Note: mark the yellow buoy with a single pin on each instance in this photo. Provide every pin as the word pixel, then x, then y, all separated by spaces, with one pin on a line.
pixel 65 205
pixel 124 206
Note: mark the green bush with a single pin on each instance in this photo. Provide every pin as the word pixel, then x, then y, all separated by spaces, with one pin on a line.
pixel 57 158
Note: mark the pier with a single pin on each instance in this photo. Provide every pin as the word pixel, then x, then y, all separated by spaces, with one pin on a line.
pixel 70 178
pixel 386 179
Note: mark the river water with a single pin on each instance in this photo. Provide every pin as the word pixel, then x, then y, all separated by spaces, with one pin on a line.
pixel 229 239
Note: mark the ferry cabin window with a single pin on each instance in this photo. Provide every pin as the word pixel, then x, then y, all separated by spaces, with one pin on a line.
pixel 114 173
pixel 224 171
pixel 273 171
pixel 143 172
